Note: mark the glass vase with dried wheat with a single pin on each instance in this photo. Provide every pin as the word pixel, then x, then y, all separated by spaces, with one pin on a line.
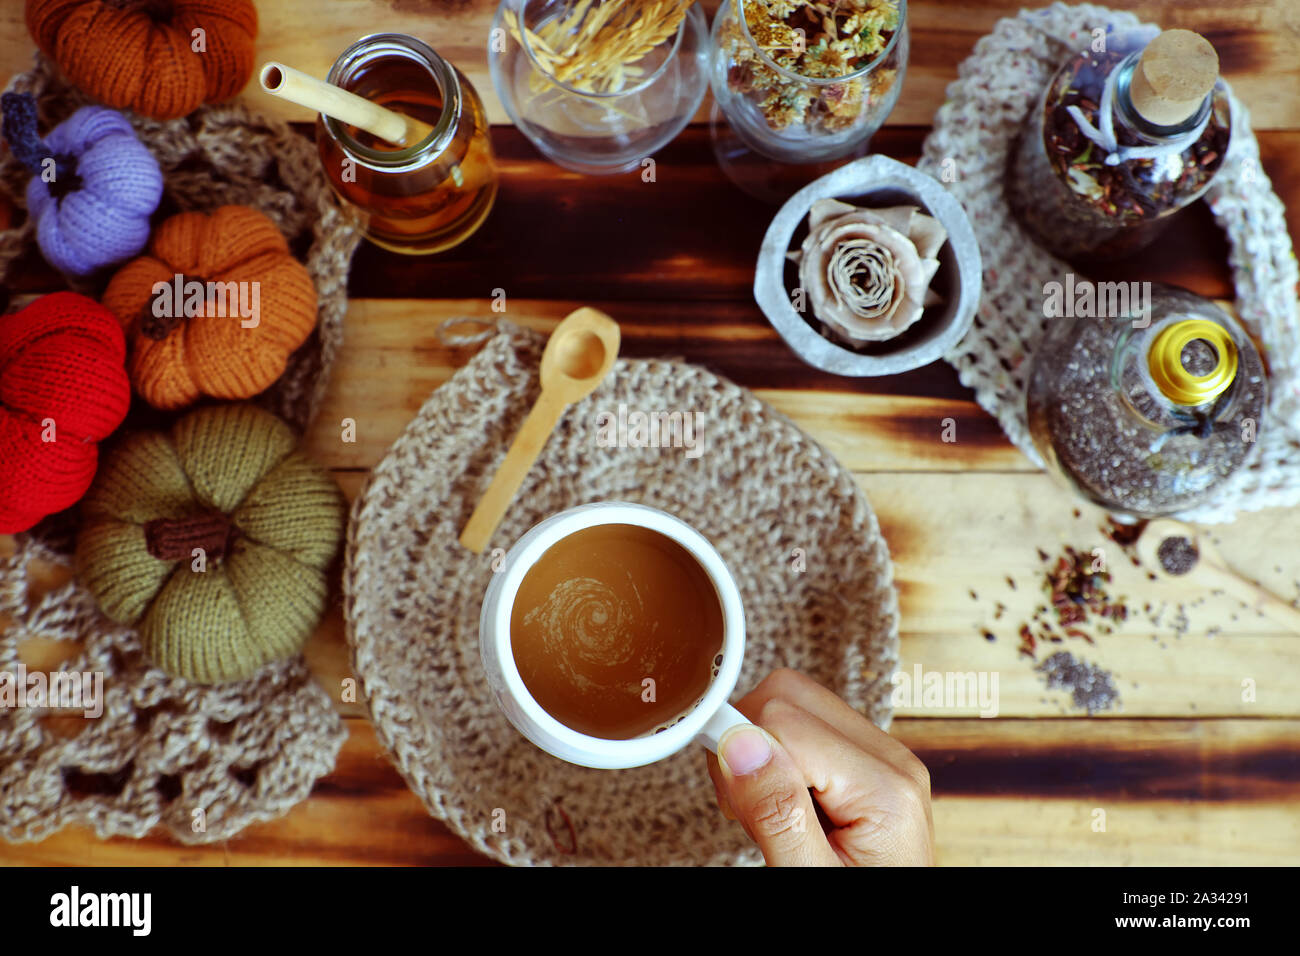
pixel 599 85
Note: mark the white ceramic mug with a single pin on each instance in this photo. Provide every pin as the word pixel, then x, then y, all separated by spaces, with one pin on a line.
pixel 706 721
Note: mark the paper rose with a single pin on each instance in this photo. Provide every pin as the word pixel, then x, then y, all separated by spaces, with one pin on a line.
pixel 867 272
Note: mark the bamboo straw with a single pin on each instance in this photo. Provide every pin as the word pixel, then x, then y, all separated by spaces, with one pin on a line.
pixel 298 87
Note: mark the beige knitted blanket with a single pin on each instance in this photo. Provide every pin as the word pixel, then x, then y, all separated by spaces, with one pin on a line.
pixel 791 523
pixel 201 762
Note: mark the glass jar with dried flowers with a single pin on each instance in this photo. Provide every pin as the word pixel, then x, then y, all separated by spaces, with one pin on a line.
pixel 806 81
pixel 599 85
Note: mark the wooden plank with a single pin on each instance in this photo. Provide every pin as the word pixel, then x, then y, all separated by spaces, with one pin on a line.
pixel 950 534
pixel 692 236
pixel 942 554
pixel 1007 792
pixel 994 832
pixel 400 337
pixel 1127 760
pixel 1257 44
pixel 954 536
pixel 679 253
pixel 395 342
pixel 1153 677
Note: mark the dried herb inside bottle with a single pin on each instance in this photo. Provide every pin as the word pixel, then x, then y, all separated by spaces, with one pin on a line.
pixel 1081 199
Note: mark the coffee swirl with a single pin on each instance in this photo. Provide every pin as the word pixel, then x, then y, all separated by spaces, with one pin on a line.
pixel 586 624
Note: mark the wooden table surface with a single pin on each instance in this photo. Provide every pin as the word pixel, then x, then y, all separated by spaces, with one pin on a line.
pixel 1187 770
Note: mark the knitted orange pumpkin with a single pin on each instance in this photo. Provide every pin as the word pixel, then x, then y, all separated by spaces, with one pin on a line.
pixel 162 58
pixel 215 308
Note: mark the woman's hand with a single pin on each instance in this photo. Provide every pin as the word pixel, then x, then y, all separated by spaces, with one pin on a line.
pixel 873 791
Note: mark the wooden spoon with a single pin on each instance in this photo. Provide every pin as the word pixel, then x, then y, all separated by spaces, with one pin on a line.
pixel 1210 571
pixel 578 356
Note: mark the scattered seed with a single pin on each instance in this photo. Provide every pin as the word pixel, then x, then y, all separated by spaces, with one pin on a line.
pixel 1091 688
pixel 1178 554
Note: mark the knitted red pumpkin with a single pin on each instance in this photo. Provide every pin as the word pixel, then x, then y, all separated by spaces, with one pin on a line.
pixel 148 55
pixel 63 388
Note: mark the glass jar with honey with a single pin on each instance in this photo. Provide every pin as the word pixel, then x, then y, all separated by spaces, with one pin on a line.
pixel 430 195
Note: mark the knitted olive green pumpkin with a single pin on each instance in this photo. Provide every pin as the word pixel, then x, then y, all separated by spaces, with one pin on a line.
pixel 213 539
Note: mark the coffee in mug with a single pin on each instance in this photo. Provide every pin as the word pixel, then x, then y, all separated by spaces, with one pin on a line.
pixel 643 598
pixel 616 631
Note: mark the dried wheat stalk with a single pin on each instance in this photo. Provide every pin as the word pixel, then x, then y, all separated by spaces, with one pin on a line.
pixel 595 45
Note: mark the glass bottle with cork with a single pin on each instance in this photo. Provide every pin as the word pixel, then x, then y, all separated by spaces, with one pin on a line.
pixel 1148 413
pixel 1121 140
pixel 403 137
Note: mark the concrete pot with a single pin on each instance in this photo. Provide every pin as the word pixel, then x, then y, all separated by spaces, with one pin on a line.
pixel 873 181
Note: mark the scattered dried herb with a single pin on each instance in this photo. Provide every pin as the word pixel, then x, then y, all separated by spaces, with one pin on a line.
pixel 1124 535
pixel 1076 596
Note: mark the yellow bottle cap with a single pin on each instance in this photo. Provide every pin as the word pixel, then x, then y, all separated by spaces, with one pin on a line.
pixel 1165 359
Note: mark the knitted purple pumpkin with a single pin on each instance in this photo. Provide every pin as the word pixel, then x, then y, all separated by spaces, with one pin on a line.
pixel 91 204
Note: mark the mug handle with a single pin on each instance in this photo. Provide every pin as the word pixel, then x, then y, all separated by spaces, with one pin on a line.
pixel 723 719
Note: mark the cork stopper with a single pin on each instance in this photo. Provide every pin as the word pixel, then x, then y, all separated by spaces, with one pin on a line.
pixel 1176 72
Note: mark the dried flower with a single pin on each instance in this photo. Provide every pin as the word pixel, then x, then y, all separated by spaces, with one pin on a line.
pixel 867 272
pixel 818 39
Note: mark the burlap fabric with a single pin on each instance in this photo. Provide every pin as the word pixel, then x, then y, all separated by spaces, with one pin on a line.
pixel 792 525
pixel 201 762
pixel 976 127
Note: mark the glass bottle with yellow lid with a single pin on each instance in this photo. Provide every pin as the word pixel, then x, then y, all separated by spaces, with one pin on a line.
pixel 1151 411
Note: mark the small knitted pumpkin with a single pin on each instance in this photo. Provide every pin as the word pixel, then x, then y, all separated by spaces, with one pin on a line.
pixel 183 347
pixel 94 184
pixel 62 389
pixel 162 58
pixel 213 539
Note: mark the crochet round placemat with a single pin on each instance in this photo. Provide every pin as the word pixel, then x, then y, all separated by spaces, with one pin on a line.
pixel 790 522
pixel 973 133
pixel 215 156
pixel 201 762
